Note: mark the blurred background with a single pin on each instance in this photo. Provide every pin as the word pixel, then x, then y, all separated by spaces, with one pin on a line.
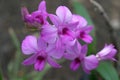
pixel 12 31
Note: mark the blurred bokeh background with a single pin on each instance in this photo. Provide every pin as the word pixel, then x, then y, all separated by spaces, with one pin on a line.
pixel 13 31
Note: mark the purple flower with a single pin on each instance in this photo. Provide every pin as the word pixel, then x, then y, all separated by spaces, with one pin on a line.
pixel 64 25
pixel 83 29
pixel 107 53
pixel 36 18
pixel 77 54
pixel 83 34
pixel 37 47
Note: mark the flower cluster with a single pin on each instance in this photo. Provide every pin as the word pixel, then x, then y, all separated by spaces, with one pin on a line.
pixel 61 40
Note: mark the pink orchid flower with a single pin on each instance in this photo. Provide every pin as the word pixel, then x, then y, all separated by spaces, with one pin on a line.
pixel 83 29
pixel 64 25
pixel 38 49
pixel 77 54
pixel 107 53
pixel 36 18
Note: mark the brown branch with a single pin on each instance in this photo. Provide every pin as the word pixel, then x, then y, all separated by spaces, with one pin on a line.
pixel 107 20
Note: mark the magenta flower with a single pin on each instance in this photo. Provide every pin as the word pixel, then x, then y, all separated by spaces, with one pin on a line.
pixel 77 54
pixel 37 47
pixel 64 25
pixel 107 53
pixel 83 34
pixel 36 18
pixel 83 29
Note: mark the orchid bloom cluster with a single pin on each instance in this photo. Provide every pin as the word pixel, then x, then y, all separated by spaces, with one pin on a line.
pixel 60 39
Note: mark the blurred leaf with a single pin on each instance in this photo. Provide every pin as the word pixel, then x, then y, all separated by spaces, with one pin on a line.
pixel 93 75
pixel 107 71
pixel 81 10
pixel 0 75
pixel 15 65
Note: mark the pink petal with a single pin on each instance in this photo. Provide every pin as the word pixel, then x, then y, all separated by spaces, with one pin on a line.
pixel 106 50
pixel 24 12
pixel 74 65
pixel 72 26
pixel 75 49
pixel 111 55
pixel 64 14
pixel 39 66
pixel 69 56
pixel 55 52
pixel 68 40
pixel 90 63
pixel 49 34
pixel 29 45
pixel 87 38
pixel 55 20
pixel 30 60
pixel 82 21
pixel 88 29
pixel 84 50
pixel 53 63
pixel 42 6
pixel 42 45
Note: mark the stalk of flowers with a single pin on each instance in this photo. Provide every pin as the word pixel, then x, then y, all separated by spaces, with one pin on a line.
pixel 61 40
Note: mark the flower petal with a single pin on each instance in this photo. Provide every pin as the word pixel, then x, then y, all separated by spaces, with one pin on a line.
pixel 108 52
pixel 87 38
pixel 69 56
pixel 55 20
pixel 82 21
pixel 72 26
pixel 42 6
pixel 41 44
pixel 39 66
pixel 83 52
pixel 49 33
pixel 74 65
pixel 64 14
pixel 30 60
pixel 55 50
pixel 24 12
pixel 53 63
pixel 29 45
pixel 88 29
pixel 68 40
pixel 75 49
pixel 90 63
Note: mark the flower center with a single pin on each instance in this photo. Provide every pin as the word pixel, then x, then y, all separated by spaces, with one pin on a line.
pixel 39 19
pixel 82 34
pixel 64 31
pixel 77 60
pixel 40 59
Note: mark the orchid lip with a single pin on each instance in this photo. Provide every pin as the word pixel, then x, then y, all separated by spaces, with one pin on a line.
pixel 77 60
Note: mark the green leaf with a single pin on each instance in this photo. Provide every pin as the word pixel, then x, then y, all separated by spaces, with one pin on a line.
pixel 0 75
pixel 81 10
pixel 107 71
